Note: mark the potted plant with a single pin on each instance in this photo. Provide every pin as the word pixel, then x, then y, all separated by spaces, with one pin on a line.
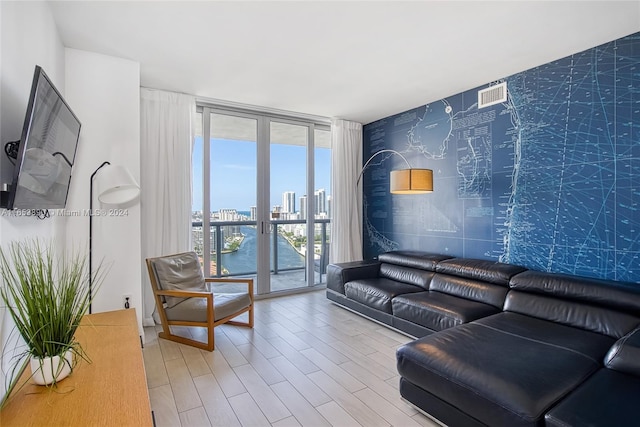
pixel 47 295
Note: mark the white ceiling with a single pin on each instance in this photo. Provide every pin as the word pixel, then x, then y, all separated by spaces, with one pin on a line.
pixel 357 60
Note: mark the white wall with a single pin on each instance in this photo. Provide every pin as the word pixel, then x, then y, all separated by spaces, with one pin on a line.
pixel 28 36
pixel 105 94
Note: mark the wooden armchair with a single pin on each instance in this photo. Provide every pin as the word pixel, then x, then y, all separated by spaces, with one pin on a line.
pixel 183 298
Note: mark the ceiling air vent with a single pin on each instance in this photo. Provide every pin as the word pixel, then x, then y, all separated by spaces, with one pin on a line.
pixel 492 95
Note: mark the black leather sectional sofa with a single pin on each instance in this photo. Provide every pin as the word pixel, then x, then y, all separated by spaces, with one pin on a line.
pixel 500 345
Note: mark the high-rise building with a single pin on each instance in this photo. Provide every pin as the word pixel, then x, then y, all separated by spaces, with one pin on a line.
pixel 303 207
pixel 289 201
pixel 329 206
pixel 254 213
pixel 321 201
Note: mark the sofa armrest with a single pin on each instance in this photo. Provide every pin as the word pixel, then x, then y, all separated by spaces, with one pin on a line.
pixel 624 355
pixel 339 274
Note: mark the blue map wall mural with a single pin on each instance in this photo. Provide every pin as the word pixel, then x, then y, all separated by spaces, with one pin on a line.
pixel 548 179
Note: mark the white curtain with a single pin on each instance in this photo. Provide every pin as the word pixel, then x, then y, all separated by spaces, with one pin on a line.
pixel 166 146
pixel 346 224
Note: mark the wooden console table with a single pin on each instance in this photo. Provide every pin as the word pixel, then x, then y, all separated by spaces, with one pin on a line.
pixel 110 391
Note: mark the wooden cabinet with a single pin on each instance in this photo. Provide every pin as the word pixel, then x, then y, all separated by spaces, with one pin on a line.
pixel 109 391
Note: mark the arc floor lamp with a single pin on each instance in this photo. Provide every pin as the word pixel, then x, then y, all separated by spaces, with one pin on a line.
pixel 404 181
pixel 116 187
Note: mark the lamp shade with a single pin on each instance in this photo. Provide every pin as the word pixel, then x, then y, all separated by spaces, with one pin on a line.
pixel 115 185
pixel 411 181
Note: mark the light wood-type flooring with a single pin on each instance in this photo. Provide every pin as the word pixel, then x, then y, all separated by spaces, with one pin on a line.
pixel 307 362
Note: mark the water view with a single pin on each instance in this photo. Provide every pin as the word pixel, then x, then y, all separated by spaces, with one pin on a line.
pixel 243 260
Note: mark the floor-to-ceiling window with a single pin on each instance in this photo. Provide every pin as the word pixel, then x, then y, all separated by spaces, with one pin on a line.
pixel 261 198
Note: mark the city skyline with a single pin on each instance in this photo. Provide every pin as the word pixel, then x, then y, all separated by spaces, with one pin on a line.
pixel 322 206
pixel 239 159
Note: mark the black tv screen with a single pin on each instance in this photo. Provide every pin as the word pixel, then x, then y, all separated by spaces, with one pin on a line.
pixel 47 149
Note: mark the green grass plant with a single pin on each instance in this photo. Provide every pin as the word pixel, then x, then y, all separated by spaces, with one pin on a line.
pixel 46 294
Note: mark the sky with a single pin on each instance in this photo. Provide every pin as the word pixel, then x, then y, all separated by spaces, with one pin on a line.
pixel 233 173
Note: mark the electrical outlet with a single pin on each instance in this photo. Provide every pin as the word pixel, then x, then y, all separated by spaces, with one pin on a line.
pixel 126 301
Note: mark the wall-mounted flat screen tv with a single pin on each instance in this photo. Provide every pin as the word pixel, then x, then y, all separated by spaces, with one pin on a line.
pixel 46 151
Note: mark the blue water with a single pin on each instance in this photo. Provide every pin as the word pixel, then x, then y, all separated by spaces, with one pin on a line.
pixel 245 258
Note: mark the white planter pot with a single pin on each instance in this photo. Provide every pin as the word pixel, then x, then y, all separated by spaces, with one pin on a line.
pixel 51 369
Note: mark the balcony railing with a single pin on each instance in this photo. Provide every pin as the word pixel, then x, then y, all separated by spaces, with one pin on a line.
pixel 321 259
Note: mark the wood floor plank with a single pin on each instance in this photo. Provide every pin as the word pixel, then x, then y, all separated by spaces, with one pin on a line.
pixel 301 409
pixel 248 411
pixel 184 391
pixel 169 349
pixel 300 381
pixel 196 417
pixel 267 371
pixel 234 334
pixel 290 337
pixel 266 399
pixel 229 351
pixel 294 356
pixel 350 403
pixel 164 406
pixel 154 364
pixel 323 348
pixel 342 377
pixel 384 372
pixel 379 386
pixel 264 345
pixel 385 409
pixel 225 375
pixel 337 416
pixel 195 362
pixel 215 402
pixel 287 422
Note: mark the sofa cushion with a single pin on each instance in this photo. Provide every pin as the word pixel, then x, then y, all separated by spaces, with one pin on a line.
pixel 413 259
pixel 411 276
pixel 587 343
pixel 469 289
pixel 438 311
pixel 377 293
pixel 502 370
pixel 339 274
pixel 616 295
pixel 608 398
pixel 567 312
pixel 479 269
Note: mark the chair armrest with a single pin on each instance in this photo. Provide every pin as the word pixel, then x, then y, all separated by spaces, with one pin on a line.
pixel 624 355
pixel 184 294
pixel 339 274
pixel 249 282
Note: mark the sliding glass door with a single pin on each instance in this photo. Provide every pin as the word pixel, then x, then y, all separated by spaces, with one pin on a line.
pixel 252 181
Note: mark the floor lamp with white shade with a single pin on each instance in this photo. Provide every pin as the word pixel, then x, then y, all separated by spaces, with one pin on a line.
pixel 115 187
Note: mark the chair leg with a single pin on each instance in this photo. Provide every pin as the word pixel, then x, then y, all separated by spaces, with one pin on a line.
pixel 210 344
pixel 187 341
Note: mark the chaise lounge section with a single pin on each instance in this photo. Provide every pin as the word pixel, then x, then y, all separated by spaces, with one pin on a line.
pixel 505 346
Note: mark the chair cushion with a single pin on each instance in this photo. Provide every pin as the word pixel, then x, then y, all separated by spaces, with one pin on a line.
pixel 195 309
pixel 377 293
pixel 180 272
pixel 438 311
